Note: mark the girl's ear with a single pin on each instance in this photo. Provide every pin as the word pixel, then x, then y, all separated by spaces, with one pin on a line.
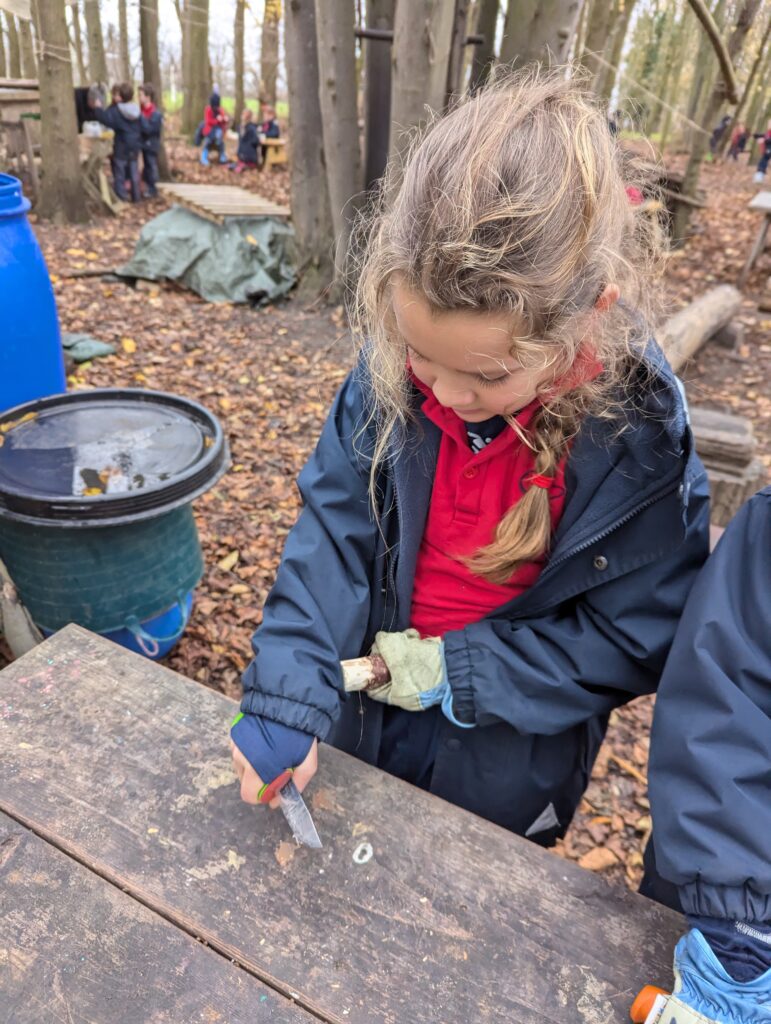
pixel 607 298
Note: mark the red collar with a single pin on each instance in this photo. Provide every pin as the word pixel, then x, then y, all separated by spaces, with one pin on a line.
pixel 148 109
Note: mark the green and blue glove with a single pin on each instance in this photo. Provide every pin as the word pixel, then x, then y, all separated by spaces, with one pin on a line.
pixel 705 993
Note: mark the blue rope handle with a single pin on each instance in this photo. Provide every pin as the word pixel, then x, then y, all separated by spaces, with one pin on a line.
pixel 150 645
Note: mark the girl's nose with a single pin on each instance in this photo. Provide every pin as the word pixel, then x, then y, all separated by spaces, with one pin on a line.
pixel 450 395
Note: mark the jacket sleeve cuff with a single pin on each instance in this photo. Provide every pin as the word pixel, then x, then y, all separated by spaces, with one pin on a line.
pixel 293 713
pixel 736 903
pixel 460 676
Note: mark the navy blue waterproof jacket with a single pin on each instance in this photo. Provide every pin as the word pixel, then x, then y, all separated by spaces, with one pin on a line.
pixel 125 120
pixel 540 674
pixel 710 765
pixel 151 132
pixel 248 143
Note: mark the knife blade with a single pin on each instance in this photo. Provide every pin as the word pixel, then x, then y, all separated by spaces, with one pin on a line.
pixel 298 816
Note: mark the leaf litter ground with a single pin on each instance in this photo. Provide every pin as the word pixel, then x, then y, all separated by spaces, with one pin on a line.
pixel 270 375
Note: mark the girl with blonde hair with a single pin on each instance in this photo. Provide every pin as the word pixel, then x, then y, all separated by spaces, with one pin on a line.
pixel 505 503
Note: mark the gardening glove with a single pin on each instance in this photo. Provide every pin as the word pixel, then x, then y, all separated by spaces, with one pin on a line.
pixel 705 993
pixel 418 679
pixel 273 751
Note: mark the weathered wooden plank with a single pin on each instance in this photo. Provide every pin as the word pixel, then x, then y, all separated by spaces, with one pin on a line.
pixel 450 918
pixel 73 947
pixel 222 200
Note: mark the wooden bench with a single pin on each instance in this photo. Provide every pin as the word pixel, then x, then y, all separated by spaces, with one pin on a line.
pixel 762 203
pixel 132 873
pixel 275 153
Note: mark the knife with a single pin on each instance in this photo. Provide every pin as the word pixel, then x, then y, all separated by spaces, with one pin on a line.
pixel 298 816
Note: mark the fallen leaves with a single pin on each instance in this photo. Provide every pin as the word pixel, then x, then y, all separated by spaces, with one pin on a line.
pixel 228 562
pixel 598 859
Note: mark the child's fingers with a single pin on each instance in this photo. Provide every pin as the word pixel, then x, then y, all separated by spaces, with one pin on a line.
pixel 305 772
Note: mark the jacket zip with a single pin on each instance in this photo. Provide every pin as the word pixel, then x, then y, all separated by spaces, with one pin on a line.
pixel 611 529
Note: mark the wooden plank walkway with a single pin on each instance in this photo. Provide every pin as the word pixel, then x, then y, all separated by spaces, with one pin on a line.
pixel 216 202
pixel 413 912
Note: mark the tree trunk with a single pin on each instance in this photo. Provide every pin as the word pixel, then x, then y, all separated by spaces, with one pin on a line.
pixel 669 66
pixel 538 30
pixel 605 81
pixel 307 175
pixel 673 93
pixel 3 65
pixel 62 197
pixel 123 41
pixel 195 74
pixel 746 13
pixel 238 59
pixel 14 50
pixel 151 69
pixel 269 52
pixel 77 42
pixel 457 49
pixel 484 54
pixel 737 115
pixel 97 63
pixel 27 45
pixel 337 101
pixel 419 60
pixel 597 35
pixel 377 91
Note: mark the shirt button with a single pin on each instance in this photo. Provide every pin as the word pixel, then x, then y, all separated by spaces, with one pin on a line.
pixel 601 563
pixel 471 472
pixel 453 744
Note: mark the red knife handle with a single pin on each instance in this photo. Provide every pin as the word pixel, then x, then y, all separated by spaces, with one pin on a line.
pixel 270 789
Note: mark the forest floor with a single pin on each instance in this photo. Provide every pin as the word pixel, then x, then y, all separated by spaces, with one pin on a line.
pixel 270 373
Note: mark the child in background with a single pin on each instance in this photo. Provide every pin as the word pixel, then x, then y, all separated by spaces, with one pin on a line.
pixel 152 123
pixel 505 502
pixel 268 128
pixel 215 123
pixel 710 777
pixel 248 143
pixel 765 153
pixel 738 140
pixel 123 117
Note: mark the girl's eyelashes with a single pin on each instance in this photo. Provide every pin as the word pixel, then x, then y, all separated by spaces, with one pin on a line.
pixel 490 382
pixel 485 382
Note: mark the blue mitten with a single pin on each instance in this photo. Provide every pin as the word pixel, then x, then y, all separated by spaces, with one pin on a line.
pixel 705 992
pixel 271 748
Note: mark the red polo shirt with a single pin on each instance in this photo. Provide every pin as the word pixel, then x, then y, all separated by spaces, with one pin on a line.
pixel 471 494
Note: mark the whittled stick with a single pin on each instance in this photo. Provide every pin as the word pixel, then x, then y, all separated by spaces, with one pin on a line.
pixel 365 673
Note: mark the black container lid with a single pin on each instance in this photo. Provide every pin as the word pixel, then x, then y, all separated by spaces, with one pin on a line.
pixel 106 457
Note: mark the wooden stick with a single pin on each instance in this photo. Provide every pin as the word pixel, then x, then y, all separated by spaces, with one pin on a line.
pixel 365 673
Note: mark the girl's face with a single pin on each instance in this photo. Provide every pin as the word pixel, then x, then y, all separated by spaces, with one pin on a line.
pixel 465 358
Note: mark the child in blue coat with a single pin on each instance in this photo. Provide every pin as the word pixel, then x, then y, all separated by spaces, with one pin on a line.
pixel 710 776
pixel 152 124
pixel 505 502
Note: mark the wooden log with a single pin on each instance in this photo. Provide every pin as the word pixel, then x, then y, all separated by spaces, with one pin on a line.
pixel 685 333
pixel 722 439
pixel 730 490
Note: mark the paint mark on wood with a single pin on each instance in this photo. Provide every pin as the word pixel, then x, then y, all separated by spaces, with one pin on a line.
pixel 285 853
pixel 233 862
pixel 323 800
pixel 363 853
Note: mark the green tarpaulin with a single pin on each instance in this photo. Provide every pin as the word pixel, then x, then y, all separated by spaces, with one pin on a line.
pixel 246 259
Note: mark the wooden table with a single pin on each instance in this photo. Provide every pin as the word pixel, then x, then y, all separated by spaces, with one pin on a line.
pixel 135 886
pixel 761 202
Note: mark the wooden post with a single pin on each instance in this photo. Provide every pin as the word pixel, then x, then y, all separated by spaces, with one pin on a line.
pixel 377 91
pixel 484 54
pixel 238 54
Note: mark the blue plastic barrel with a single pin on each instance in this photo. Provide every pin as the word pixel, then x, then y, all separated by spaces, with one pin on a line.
pixel 31 361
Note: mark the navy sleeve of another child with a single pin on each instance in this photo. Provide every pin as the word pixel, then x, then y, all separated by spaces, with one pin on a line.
pixel 710 765
pixel 318 610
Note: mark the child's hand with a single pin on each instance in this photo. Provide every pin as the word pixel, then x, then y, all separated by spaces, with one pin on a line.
pixel 416 667
pixel 262 750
